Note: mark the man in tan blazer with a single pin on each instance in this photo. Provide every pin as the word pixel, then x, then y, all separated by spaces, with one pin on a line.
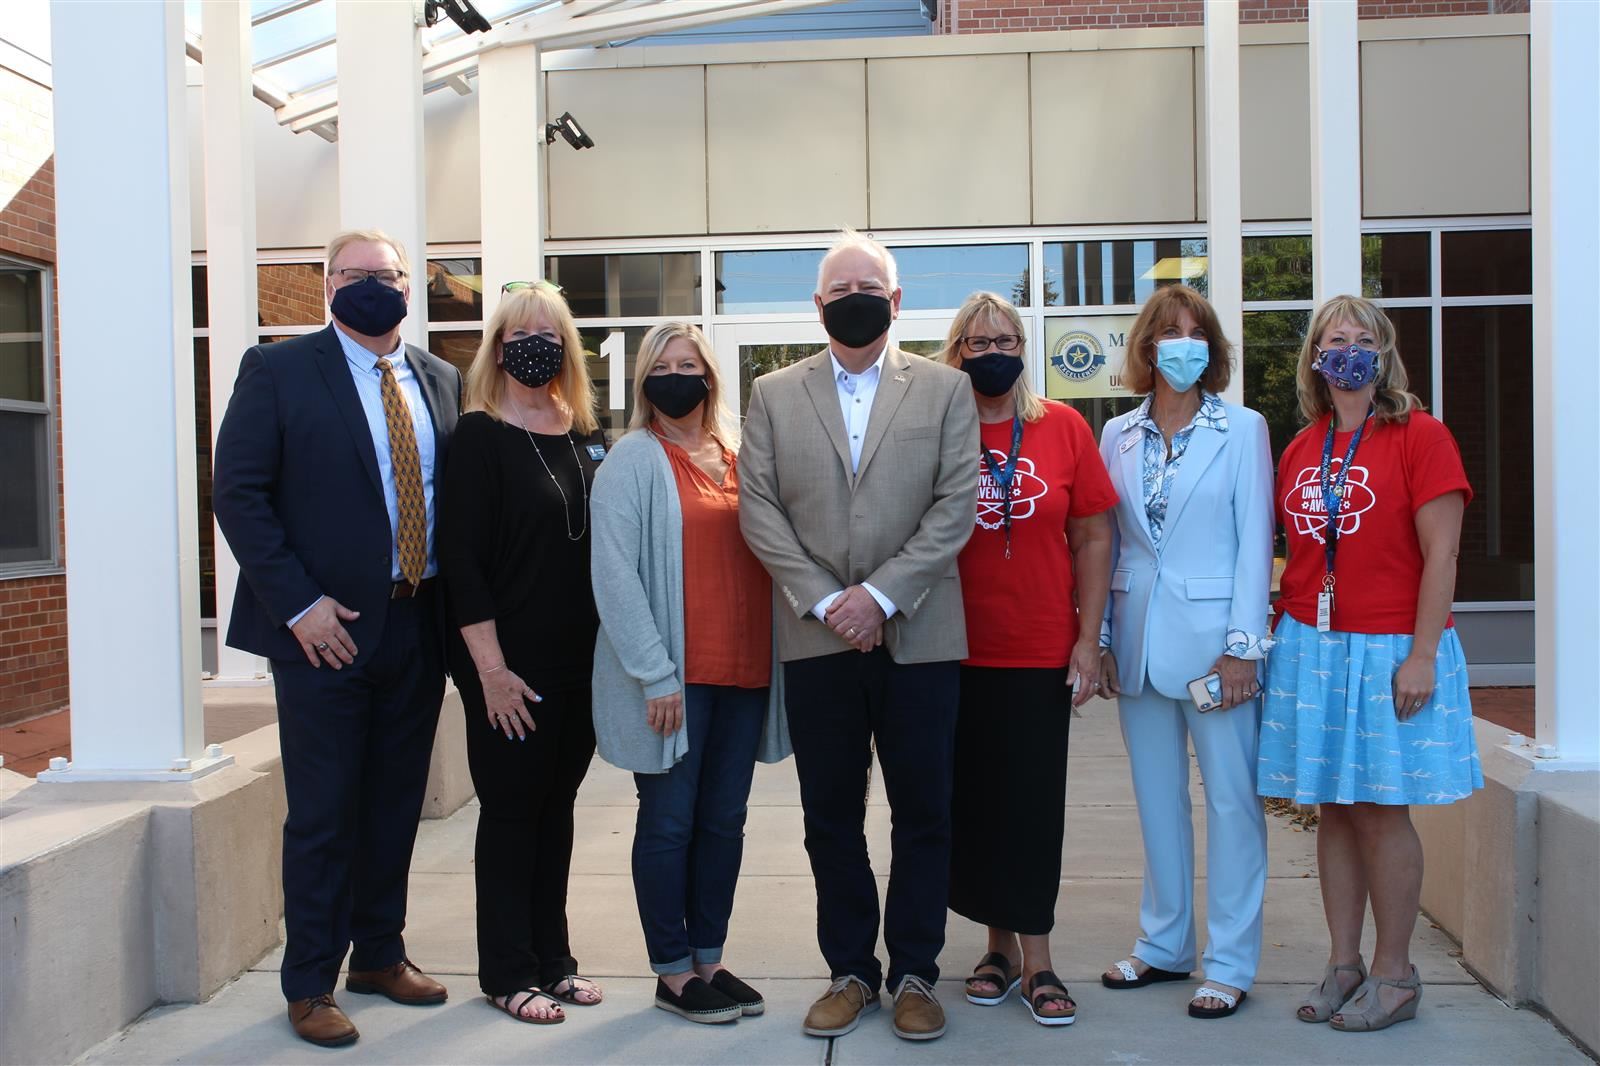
pixel 857 486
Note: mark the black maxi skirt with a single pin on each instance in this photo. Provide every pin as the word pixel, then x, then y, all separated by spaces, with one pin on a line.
pixel 1010 793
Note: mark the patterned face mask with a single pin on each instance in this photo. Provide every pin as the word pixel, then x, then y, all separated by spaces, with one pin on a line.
pixel 1349 368
pixel 532 361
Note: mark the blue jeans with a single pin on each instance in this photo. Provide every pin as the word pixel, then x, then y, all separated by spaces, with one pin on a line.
pixel 690 835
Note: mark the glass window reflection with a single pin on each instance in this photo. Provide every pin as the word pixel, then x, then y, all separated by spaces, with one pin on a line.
pixel 767 282
pixel 455 290
pixel 1096 273
pixel 1396 264
pixel 934 278
pixel 1487 262
pixel 628 286
pixel 290 294
pixel 1277 268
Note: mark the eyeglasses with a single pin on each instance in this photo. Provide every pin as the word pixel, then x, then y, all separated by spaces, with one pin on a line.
pixel 1006 342
pixel 515 286
pixel 356 275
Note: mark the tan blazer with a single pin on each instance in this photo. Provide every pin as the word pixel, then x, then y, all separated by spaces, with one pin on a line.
pixel 898 522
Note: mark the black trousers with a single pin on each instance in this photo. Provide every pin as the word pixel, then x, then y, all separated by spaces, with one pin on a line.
pixel 1010 796
pixel 839 706
pixel 523 856
pixel 356 744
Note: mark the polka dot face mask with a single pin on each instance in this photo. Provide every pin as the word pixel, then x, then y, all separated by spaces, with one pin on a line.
pixel 532 361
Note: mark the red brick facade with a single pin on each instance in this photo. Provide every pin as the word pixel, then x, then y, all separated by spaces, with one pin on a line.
pixel 33 610
pixel 1013 16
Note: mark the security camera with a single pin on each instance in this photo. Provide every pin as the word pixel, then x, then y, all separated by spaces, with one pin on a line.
pixel 569 129
pixel 461 12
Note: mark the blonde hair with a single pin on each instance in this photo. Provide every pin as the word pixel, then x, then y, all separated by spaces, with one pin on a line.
pixel 989 305
pixel 1160 311
pixel 714 418
pixel 486 382
pixel 344 238
pixel 850 238
pixel 1391 399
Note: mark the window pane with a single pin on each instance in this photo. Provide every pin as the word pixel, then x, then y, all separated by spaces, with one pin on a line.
pixel 1487 262
pixel 943 277
pixel 758 359
pixel 617 348
pixel 290 294
pixel 1277 268
pixel 455 290
pixel 24 488
pixel 633 286
pixel 1102 409
pixel 202 476
pixel 199 297
pixel 1396 264
pixel 753 283
pixel 1488 404
pixel 1092 273
pixel 1271 353
pixel 456 347
pixel 1413 327
pixel 22 358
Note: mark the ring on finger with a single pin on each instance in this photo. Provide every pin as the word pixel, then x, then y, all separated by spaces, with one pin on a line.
pixel 322 645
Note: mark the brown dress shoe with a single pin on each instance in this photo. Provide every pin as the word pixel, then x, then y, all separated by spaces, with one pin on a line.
pixel 917 1014
pixel 320 1021
pixel 840 1007
pixel 402 982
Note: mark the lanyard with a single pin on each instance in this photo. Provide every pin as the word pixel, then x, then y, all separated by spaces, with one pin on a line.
pixel 1005 477
pixel 1333 489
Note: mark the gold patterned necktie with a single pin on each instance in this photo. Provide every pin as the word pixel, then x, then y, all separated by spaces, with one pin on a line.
pixel 407 467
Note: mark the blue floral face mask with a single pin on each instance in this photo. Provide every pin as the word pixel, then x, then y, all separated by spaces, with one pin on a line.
pixel 1349 368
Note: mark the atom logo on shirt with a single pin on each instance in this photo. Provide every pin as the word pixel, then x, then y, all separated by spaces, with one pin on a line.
pixel 1304 507
pixel 1026 487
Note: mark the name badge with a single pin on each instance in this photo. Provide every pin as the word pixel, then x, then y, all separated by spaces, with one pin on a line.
pixel 1127 442
pixel 597 452
pixel 1324 612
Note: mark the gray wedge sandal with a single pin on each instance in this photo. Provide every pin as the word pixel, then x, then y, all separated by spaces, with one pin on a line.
pixel 1364 1012
pixel 1326 999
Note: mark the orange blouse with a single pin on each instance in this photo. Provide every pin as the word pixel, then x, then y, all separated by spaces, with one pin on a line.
pixel 727 595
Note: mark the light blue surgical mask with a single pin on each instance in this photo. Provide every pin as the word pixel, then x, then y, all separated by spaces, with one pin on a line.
pixel 1182 360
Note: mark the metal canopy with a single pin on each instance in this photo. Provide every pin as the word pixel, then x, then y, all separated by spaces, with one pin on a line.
pixel 294 65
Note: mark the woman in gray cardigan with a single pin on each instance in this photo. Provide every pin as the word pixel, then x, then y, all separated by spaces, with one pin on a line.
pixel 686 690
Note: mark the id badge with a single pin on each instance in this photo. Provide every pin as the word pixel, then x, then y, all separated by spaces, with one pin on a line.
pixel 1324 612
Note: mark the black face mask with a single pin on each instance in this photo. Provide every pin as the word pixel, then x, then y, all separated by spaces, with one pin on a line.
pixel 675 395
pixel 993 374
pixel 369 307
pixel 857 320
pixel 532 361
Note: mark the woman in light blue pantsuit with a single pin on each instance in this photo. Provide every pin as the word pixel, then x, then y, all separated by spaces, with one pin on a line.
pixel 1190 574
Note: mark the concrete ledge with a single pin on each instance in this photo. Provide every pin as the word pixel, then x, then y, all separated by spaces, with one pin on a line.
pixel 1567 970
pixel 449 783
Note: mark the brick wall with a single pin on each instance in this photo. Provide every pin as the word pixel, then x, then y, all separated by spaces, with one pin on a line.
pixel 33 611
pixel 1012 16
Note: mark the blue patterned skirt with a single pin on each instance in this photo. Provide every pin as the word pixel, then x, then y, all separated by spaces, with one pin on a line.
pixel 1329 732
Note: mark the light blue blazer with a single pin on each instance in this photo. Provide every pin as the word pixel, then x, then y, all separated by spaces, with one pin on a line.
pixel 1172 607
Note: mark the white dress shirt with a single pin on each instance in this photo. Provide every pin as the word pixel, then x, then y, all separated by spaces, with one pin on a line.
pixel 856 393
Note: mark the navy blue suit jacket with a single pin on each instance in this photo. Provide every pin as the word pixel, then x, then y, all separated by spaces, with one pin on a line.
pixel 296 490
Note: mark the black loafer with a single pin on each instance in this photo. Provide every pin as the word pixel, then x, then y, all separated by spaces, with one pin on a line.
pixel 749 1000
pixel 699 1002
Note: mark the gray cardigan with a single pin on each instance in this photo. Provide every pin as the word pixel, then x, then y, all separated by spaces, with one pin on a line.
pixel 636 554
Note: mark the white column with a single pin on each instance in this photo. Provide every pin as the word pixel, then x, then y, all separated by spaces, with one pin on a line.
pixel 381 183
pixel 127 390
pixel 1224 231
pixel 230 197
pixel 1566 390
pixel 511 164
pixel 1335 150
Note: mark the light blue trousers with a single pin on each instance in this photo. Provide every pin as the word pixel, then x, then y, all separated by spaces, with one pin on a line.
pixel 1157 731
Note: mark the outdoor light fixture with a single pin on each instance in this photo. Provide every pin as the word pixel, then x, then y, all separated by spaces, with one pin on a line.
pixel 569 129
pixel 461 12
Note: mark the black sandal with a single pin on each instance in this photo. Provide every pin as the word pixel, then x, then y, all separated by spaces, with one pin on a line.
pixel 1132 978
pixel 1036 1000
pixel 1007 980
pixel 572 990
pixel 514 1007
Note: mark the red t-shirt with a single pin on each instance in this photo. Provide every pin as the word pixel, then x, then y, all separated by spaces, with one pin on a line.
pixel 1398 467
pixel 1020 611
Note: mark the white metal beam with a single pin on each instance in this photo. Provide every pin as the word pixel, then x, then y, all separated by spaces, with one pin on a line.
pixel 511 168
pixel 1335 150
pixel 1224 219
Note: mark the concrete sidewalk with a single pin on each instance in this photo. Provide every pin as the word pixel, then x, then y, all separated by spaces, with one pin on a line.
pixel 772 943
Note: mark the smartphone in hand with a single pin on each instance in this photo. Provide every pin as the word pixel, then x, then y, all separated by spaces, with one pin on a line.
pixel 1206 692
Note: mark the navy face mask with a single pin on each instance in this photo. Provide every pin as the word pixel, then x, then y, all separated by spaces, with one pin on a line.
pixel 532 361
pixel 993 374
pixel 369 307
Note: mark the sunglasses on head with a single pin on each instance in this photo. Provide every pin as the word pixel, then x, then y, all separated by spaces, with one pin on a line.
pixel 516 286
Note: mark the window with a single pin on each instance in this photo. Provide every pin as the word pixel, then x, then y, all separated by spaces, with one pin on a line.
pixel 1120 273
pixel 456 347
pixel 1277 268
pixel 27 422
pixel 290 294
pixel 767 282
pixel 1396 265
pixel 934 278
pixel 455 291
pixel 665 284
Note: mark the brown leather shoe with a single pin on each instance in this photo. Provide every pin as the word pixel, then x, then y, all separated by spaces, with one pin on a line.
pixel 319 1020
pixel 917 1014
pixel 840 1007
pixel 402 982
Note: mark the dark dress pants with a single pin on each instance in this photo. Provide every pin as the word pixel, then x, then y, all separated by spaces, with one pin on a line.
pixel 356 744
pixel 839 707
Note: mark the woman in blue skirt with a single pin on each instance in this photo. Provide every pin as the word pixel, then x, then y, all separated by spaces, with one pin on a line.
pixel 1367 710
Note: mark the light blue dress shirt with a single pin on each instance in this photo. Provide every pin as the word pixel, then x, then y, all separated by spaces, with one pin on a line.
pixel 856 393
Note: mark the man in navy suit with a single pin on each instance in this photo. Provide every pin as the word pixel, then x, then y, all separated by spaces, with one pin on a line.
pixel 326 474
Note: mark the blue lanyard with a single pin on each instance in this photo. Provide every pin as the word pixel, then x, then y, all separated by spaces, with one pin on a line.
pixel 1004 477
pixel 1333 489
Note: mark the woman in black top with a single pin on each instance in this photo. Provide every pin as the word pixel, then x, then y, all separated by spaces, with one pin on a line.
pixel 514 549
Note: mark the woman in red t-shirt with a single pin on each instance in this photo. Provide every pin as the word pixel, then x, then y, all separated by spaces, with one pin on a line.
pixel 1040 551
pixel 1367 708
